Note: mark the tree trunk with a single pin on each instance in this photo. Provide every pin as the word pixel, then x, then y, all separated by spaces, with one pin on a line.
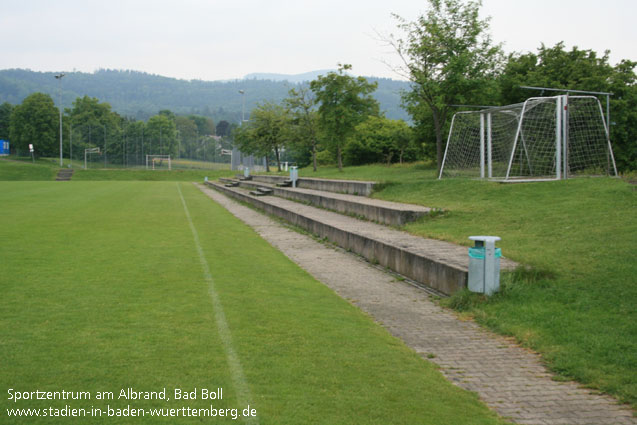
pixel 400 158
pixel 314 153
pixel 278 158
pixel 267 164
pixel 438 130
pixel 340 159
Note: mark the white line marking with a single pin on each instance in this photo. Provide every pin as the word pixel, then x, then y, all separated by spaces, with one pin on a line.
pixel 236 371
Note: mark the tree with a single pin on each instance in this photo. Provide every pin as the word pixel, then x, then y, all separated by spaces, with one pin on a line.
pixel 36 121
pixel 556 67
pixel 265 133
pixel 448 56
pixel 379 139
pixel 223 128
pixel 95 124
pixel 162 135
pixel 304 119
pixel 345 102
pixel 5 120
pixel 188 136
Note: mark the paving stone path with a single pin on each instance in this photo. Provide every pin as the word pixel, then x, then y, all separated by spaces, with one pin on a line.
pixel 508 378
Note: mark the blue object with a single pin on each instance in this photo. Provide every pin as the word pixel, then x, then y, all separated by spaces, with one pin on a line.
pixel 4 147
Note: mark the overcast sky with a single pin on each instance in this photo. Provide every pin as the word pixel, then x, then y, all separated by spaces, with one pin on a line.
pixel 215 40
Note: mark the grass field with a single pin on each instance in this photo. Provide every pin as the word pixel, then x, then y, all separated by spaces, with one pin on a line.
pixel 577 306
pixel 103 289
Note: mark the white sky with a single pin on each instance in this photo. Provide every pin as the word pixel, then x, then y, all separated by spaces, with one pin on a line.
pixel 227 39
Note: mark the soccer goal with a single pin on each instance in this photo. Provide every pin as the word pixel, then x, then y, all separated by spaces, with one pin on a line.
pixel 544 138
pixel 158 162
pixel 87 153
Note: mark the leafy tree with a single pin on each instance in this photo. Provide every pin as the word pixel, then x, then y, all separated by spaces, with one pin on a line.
pixel 161 133
pixel 36 121
pixel 205 125
pixel 5 120
pixel 379 139
pixel 345 101
pixel 223 128
pixel 267 132
pixel 304 119
pixel 94 124
pixel 556 67
pixel 448 56
pixel 188 132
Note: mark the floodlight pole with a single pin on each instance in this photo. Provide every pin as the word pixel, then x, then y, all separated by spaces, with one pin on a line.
pixel 243 108
pixel 59 78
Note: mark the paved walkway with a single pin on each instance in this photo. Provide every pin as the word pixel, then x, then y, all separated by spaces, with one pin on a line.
pixel 509 379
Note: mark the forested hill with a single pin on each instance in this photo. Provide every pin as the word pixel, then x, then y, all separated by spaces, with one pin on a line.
pixel 140 95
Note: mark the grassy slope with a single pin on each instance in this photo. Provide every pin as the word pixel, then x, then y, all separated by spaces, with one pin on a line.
pixel 579 310
pixel 46 169
pixel 11 170
pixel 102 290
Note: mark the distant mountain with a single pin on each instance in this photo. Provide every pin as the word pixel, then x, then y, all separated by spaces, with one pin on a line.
pixel 292 78
pixel 140 95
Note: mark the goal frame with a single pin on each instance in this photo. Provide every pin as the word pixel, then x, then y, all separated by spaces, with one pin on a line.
pixel 561 138
pixel 152 159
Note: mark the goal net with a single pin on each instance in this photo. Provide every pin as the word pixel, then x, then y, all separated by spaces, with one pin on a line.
pixel 542 138
pixel 158 162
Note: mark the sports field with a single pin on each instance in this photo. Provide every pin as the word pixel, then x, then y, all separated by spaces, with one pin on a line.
pixel 145 286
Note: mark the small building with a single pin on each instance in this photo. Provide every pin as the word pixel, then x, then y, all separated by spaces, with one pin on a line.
pixel 4 147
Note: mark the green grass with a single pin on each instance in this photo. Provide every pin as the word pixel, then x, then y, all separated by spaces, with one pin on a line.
pixel 149 175
pixel 102 289
pixel 46 169
pixel 21 169
pixel 577 306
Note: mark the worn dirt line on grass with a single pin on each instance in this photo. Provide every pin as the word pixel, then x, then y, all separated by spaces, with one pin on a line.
pixel 508 378
pixel 236 371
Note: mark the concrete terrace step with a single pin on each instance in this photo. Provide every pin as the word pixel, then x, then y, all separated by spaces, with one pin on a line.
pixel 352 187
pixel 385 212
pixel 439 265
pixel 64 175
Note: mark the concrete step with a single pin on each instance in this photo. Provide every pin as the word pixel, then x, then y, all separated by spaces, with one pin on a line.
pixel 261 191
pixel 352 187
pixel 64 175
pixel 384 212
pixel 439 265
pixel 286 183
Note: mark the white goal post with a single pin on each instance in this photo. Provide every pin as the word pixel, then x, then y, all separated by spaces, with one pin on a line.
pixel 155 162
pixel 90 151
pixel 544 138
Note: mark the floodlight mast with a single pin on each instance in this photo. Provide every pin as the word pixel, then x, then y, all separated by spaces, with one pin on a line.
pixel 59 78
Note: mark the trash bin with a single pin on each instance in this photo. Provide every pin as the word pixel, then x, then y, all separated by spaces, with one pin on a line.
pixel 294 174
pixel 484 265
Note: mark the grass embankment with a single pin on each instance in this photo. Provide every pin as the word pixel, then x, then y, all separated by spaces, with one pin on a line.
pixel 577 306
pixel 46 169
pixel 102 290
pixel 12 170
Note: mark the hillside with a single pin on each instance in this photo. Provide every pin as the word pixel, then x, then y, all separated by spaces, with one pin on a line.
pixel 141 95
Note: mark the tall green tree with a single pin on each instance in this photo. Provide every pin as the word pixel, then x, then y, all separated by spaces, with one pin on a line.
pixel 450 59
pixel 161 134
pixel 266 133
pixel 345 101
pixel 305 120
pixel 5 120
pixel 94 124
pixel 36 121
